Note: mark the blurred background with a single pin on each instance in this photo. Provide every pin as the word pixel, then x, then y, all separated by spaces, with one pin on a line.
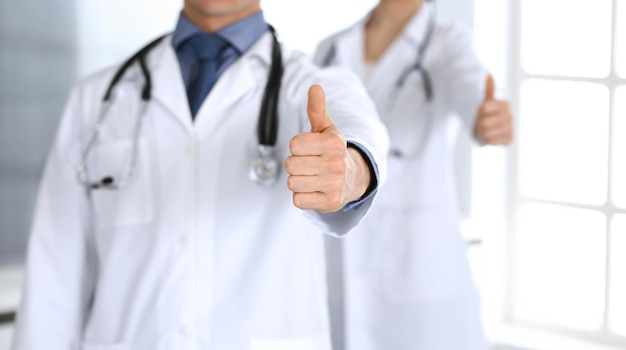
pixel 545 217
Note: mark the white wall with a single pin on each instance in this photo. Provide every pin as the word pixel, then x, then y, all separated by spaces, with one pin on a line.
pixel 302 24
pixel 109 31
pixel 489 168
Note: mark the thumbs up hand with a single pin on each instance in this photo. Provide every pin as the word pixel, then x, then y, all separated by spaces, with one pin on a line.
pixel 324 174
pixel 494 123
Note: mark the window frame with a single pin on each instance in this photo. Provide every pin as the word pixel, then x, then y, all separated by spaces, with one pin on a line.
pixel 517 76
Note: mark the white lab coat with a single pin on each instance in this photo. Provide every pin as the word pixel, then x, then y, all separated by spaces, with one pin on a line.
pixel 192 254
pixel 405 271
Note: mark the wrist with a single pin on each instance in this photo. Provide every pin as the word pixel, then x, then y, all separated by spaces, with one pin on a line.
pixel 362 175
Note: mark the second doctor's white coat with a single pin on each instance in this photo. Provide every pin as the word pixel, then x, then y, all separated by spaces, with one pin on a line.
pixel 405 271
pixel 192 254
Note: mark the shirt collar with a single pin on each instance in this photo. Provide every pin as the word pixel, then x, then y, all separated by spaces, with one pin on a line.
pixel 241 34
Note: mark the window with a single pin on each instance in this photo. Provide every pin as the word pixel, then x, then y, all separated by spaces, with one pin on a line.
pixel 569 210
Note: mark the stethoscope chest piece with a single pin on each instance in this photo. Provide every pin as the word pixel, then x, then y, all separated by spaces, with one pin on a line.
pixel 264 166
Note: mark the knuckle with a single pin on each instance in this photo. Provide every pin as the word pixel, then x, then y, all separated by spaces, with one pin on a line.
pixel 336 187
pixel 289 165
pixel 291 183
pixel 294 144
pixel 297 201
pixel 334 202
pixel 337 166
pixel 337 143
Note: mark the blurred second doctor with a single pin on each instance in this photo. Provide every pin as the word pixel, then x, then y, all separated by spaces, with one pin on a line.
pixel 407 282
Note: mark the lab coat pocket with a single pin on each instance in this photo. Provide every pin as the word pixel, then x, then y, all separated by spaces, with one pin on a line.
pixel 132 202
pixel 422 257
pixel 115 346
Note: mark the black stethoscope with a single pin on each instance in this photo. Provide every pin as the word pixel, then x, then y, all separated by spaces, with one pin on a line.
pixel 264 167
pixel 417 66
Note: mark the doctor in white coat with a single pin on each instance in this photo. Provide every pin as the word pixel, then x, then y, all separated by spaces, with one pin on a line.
pixel 406 280
pixel 187 253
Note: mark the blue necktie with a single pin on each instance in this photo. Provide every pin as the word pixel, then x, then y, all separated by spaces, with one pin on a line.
pixel 208 49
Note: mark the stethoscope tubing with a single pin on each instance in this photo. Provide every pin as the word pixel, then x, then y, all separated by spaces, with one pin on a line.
pixel 146 94
pixel 418 66
pixel 263 168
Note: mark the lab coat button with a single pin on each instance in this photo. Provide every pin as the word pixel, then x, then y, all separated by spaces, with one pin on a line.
pixel 183 331
pixel 183 239
pixel 396 153
pixel 190 150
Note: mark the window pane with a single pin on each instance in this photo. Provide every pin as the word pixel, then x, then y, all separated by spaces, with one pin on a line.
pixel 620 48
pixel 563 147
pixel 617 299
pixel 619 148
pixel 566 37
pixel 559 270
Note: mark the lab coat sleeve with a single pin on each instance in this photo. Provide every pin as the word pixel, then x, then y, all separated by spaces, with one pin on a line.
pixel 465 76
pixel 354 113
pixel 59 270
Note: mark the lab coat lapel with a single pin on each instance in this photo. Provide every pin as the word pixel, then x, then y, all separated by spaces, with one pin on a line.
pixel 167 81
pixel 349 48
pixel 238 79
pixel 415 31
pixel 350 51
pixel 380 82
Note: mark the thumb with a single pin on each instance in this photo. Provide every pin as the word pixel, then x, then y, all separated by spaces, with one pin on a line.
pixel 316 109
pixel 490 87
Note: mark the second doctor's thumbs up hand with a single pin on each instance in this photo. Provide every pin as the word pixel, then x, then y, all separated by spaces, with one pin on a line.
pixel 494 123
pixel 324 174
